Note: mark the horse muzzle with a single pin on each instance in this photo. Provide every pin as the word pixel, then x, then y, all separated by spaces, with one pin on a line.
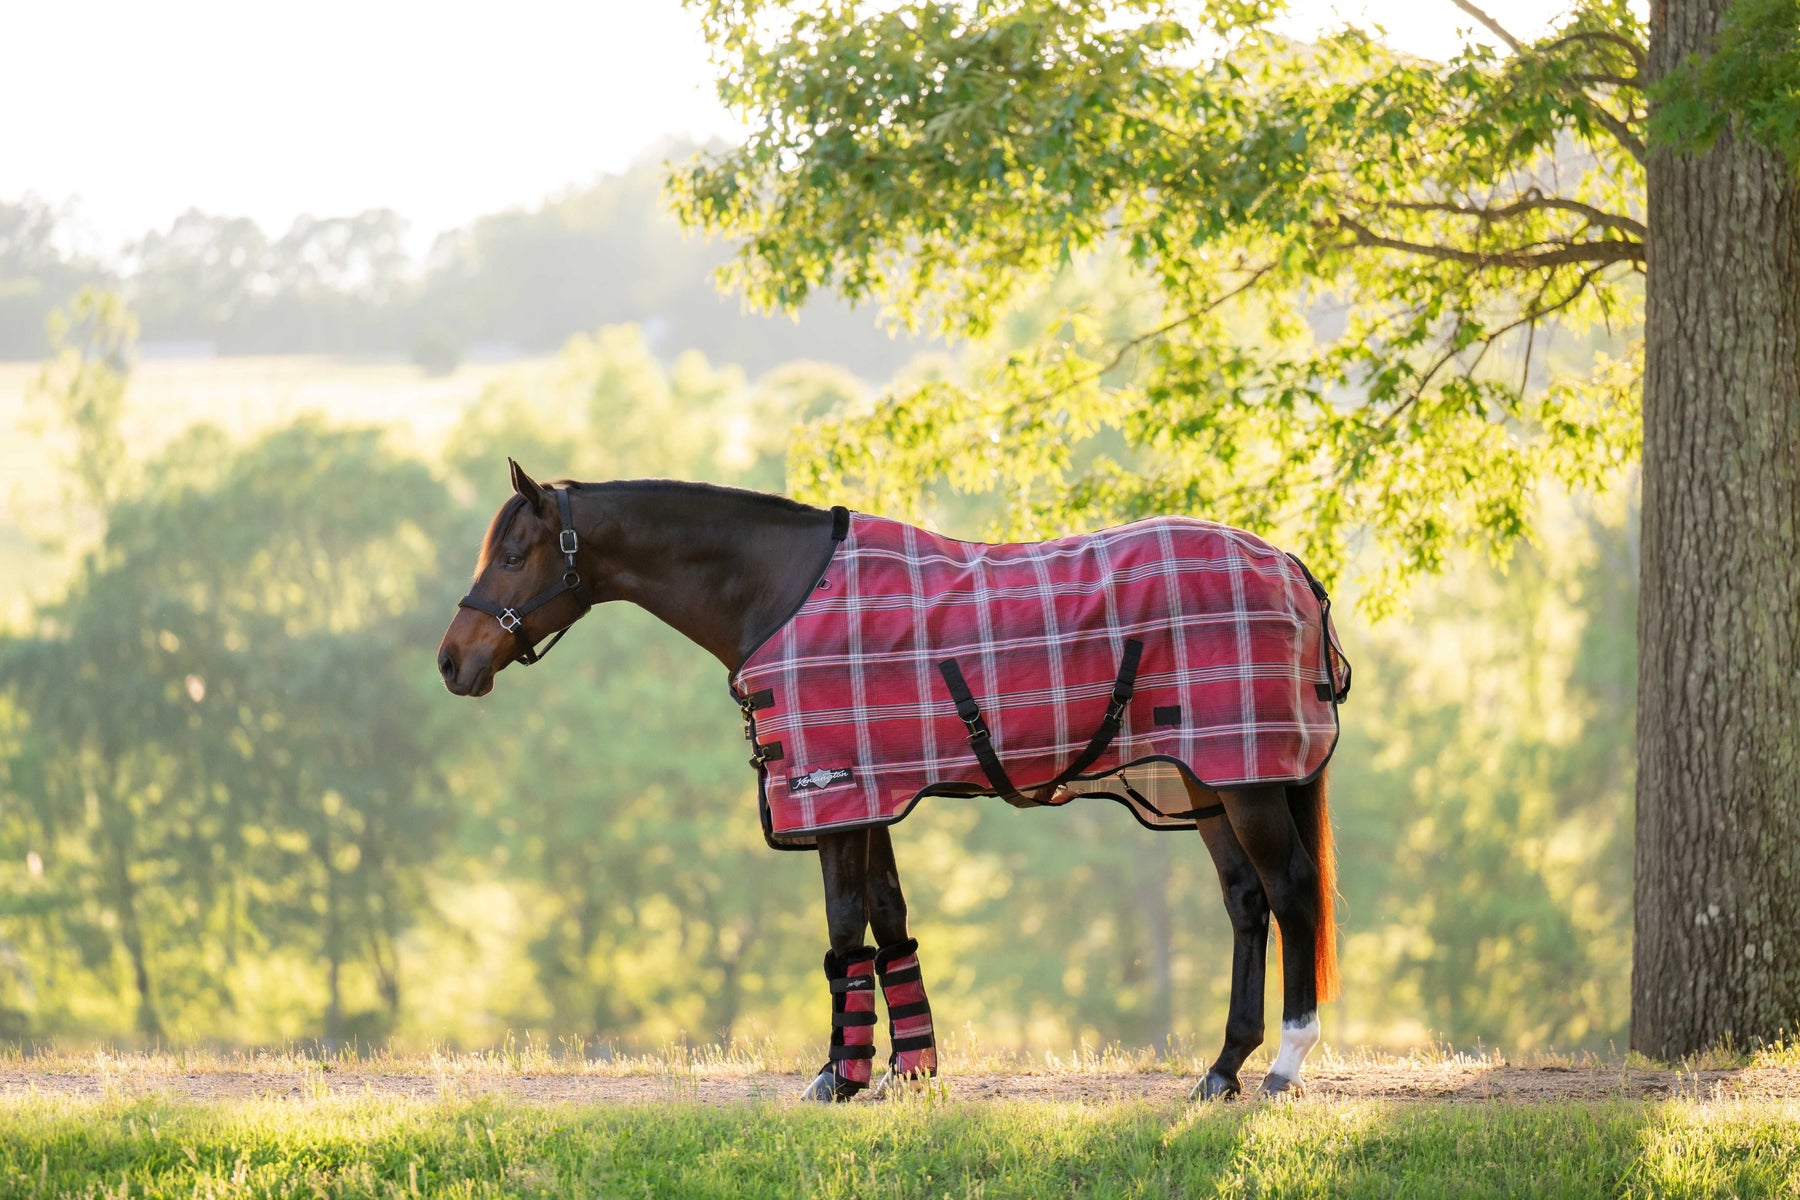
pixel 463 677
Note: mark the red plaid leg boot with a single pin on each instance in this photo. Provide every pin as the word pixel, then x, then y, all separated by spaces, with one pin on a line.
pixel 909 1015
pixel 852 977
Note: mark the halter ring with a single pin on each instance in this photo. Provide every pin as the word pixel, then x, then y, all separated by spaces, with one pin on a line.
pixel 509 615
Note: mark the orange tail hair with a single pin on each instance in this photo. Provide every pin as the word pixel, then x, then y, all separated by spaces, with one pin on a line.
pixel 1311 809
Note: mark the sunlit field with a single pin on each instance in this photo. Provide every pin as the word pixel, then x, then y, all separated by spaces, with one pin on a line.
pixel 240 395
pixel 527 1120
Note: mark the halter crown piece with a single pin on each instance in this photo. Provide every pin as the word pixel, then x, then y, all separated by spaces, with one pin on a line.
pixel 513 619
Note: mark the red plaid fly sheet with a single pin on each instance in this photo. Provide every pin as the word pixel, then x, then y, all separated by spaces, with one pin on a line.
pixel 853 721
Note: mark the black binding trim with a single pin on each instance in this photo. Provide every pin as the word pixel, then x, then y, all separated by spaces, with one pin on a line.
pixel 1184 821
pixel 1328 690
pixel 840 529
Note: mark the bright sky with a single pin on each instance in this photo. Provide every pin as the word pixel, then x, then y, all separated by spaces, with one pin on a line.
pixel 442 111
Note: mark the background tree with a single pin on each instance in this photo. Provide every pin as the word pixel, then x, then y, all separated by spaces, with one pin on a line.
pixel 37 276
pixel 1356 259
pixel 219 734
pixel 516 282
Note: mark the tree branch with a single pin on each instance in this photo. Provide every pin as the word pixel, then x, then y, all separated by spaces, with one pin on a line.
pixel 1634 145
pixel 1601 250
pixel 1613 124
pixel 1532 201
pixel 1536 312
pixel 1494 26
pixel 1141 339
pixel 1640 58
pixel 1621 81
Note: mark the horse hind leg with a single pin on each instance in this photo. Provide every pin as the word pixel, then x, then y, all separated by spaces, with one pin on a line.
pixel 1248 909
pixel 849 969
pixel 1281 849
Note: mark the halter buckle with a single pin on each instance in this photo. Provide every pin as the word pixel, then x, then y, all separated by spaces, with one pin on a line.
pixel 509 620
pixel 567 542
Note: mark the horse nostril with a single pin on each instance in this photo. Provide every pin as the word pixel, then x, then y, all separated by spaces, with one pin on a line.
pixel 446 664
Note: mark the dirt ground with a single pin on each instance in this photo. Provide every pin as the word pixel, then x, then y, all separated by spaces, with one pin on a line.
pixel 1457 1080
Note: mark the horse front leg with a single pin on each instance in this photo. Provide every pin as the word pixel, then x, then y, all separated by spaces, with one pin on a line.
pixel 1248 909
pixel 897 967
pixel 1264 826
pixel 849 969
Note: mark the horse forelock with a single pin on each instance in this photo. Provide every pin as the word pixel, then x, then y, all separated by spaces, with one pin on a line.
pixel 496 533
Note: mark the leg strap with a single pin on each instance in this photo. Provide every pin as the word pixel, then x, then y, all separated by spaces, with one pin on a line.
pixel 852 979
pixel 909 1012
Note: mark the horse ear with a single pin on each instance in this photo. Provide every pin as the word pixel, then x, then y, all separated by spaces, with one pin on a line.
pixel 528 487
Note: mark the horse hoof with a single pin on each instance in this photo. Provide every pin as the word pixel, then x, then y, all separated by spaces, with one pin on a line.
pixel 822 1090
pixel 1280 1085
pixel 1214 1086
pixel 827 1088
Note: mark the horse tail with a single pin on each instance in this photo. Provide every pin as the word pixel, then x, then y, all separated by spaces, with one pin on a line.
pixel 1310 806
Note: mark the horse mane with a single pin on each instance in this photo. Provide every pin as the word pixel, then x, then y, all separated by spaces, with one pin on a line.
pixel 717 491
pixel 515 503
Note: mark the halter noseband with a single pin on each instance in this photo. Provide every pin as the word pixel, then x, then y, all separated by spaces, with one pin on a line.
pixel 513 619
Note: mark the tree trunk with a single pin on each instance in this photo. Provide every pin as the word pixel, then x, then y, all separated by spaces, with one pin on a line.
pixel 1718 793
pixel 116 833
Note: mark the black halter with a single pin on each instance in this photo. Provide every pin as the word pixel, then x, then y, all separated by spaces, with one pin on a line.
pixel 513 619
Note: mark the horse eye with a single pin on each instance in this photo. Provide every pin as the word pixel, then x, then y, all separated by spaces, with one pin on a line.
pixel 513 560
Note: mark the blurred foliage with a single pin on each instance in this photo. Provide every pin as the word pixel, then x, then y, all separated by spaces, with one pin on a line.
pixel 517 282
pixel 235 805
pixel 1342 262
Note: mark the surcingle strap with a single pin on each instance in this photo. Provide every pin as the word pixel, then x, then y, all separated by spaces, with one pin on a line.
pixel 852 979
pixel 909 1012
pixel 982 743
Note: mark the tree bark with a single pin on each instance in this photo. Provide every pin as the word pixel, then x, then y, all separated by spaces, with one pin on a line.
pixel 1717 955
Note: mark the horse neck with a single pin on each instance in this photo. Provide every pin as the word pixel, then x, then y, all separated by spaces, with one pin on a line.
pixel 720 567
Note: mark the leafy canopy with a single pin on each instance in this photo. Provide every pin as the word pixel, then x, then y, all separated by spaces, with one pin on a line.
pixel 1342 264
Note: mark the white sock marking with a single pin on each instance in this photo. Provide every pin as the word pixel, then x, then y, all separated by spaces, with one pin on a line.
pixel 1297 1037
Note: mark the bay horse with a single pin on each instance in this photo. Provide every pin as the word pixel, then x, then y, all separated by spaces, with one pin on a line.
pixel 728 569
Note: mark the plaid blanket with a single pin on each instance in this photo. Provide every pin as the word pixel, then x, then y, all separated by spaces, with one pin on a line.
pixel 1238 682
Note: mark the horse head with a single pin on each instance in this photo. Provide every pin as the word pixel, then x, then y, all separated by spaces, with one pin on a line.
pixel 527 588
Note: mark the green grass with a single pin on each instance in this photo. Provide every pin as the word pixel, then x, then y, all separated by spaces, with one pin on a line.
pixel 149 1147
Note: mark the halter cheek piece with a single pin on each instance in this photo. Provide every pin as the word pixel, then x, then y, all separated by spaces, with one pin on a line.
pixel 513 619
